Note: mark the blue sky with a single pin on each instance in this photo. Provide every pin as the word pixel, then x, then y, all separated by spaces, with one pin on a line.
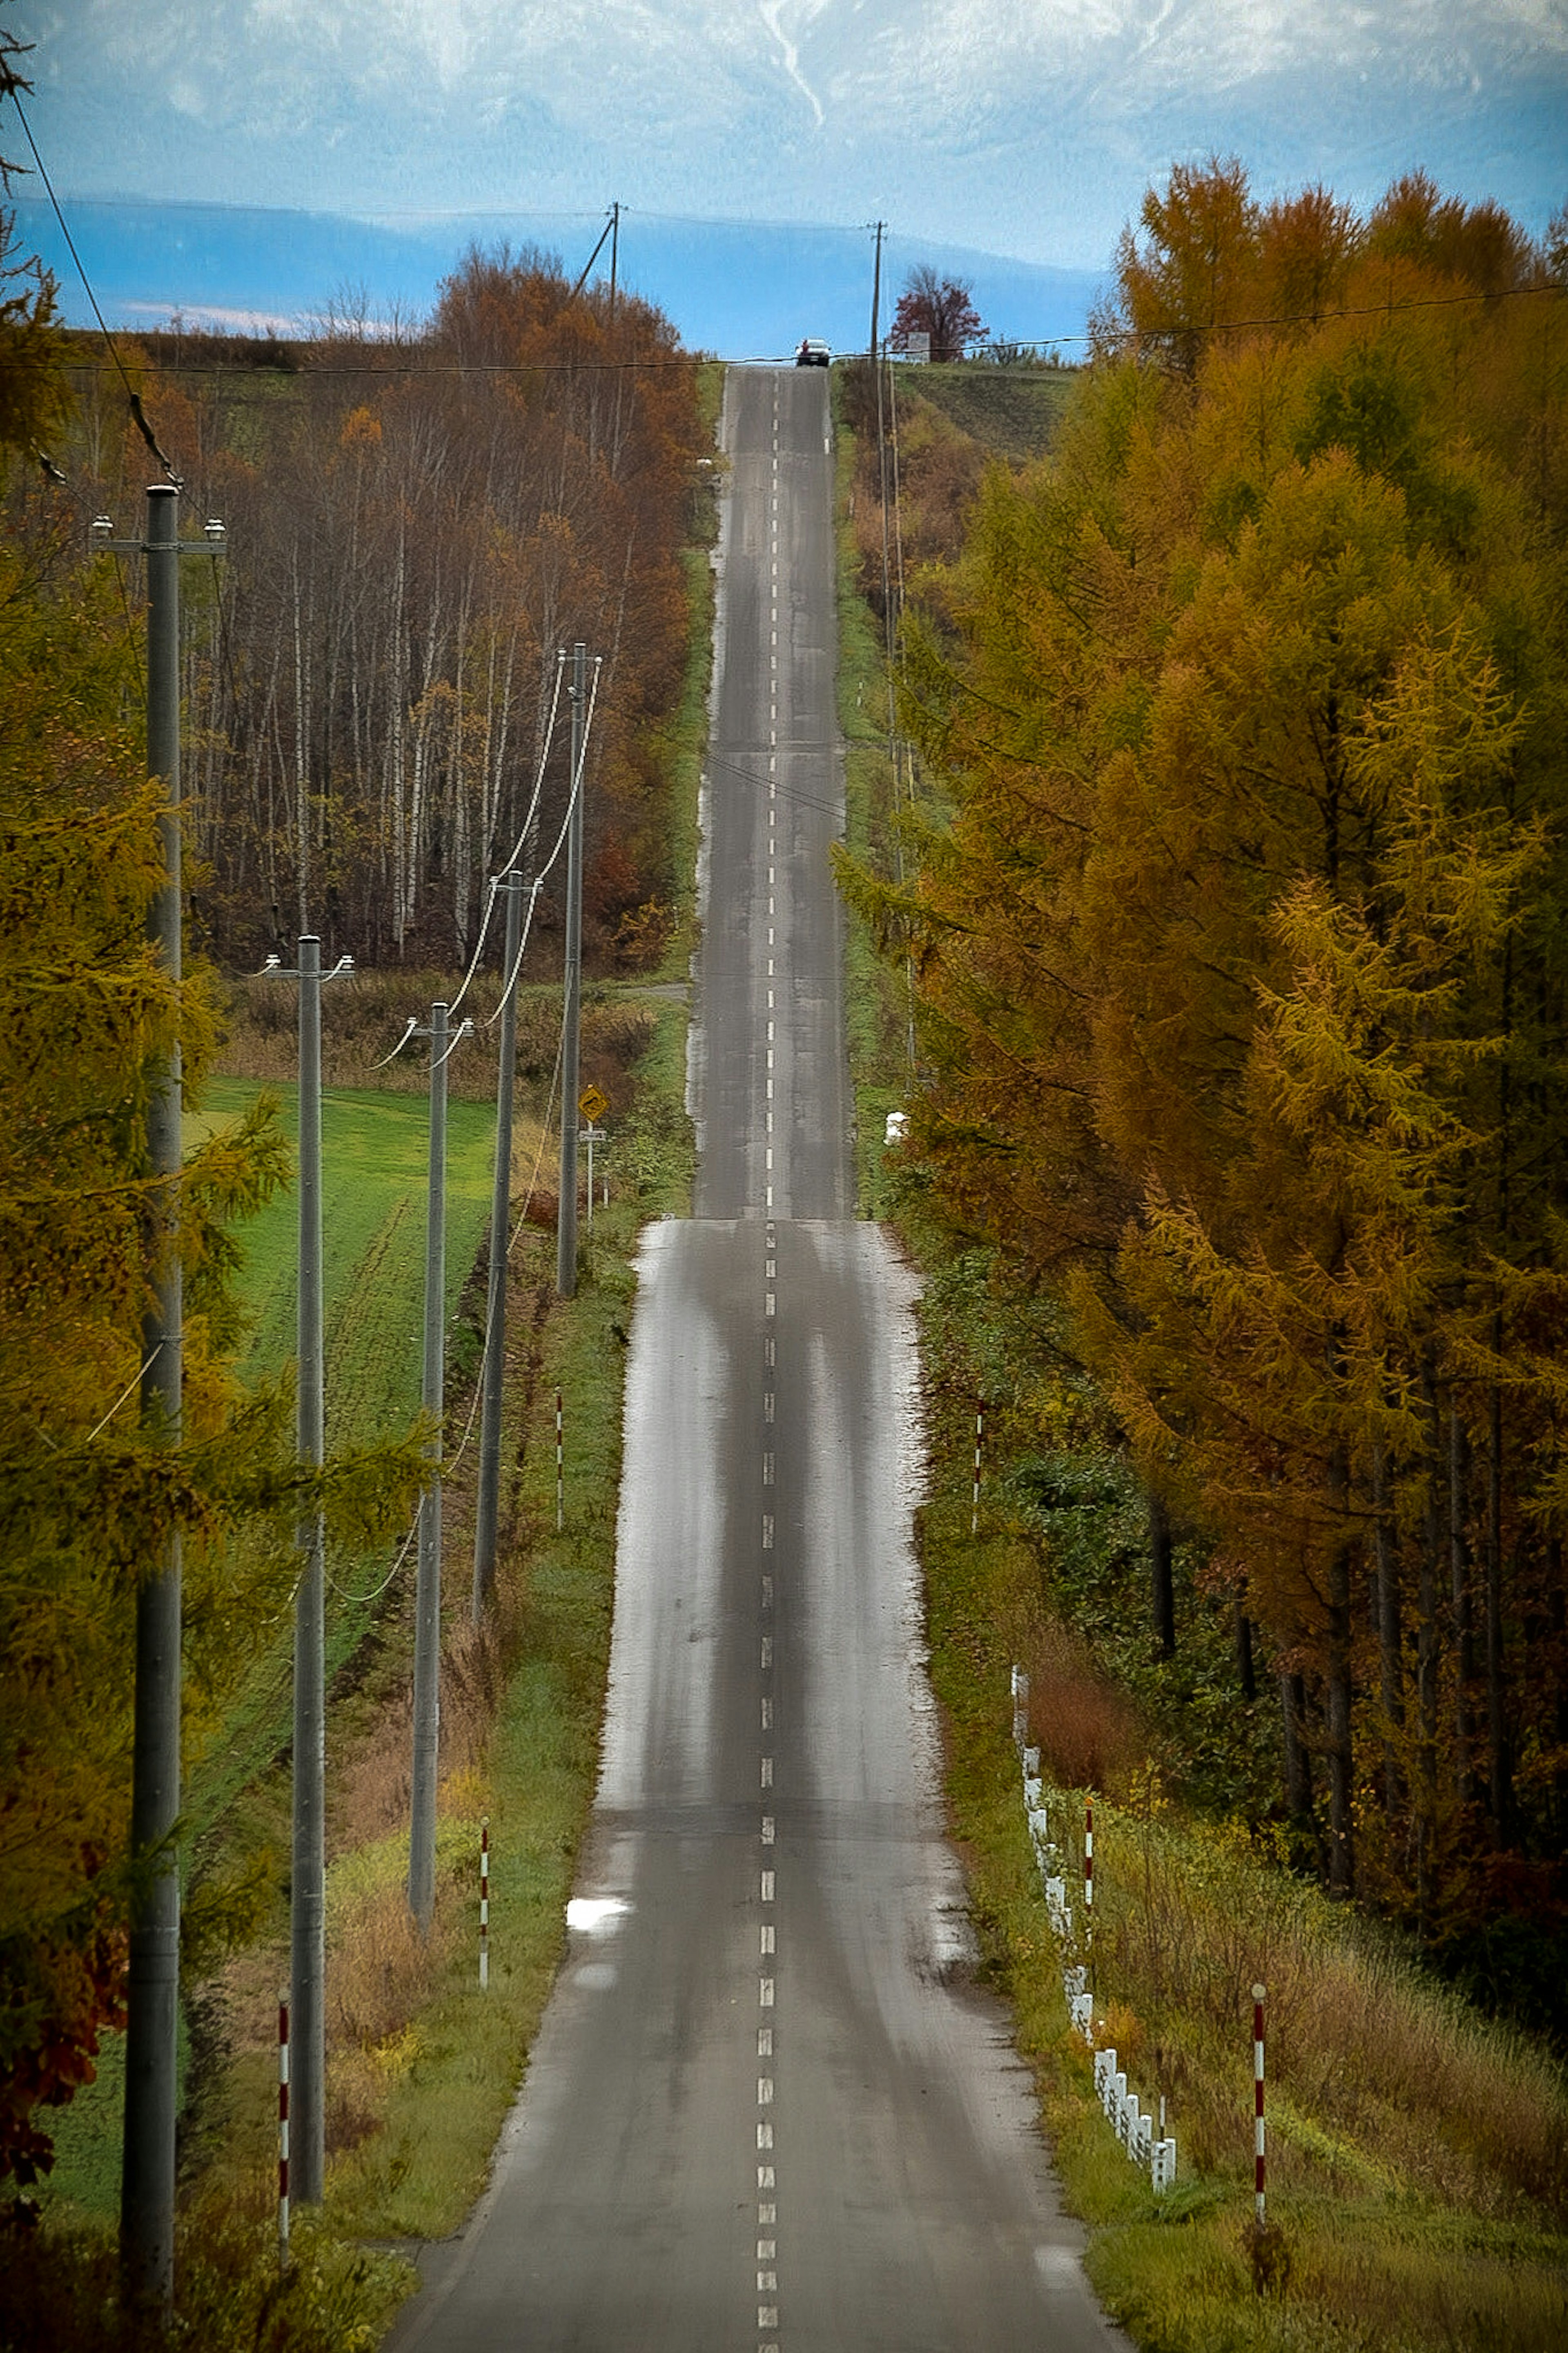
pixel 1024 129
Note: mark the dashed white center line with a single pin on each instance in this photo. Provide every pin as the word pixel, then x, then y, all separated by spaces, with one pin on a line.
pixel 767 1772
pixel 767 1830
pixel 765 1993
pixel 767 1716
pixel 767 1887
pixel 766 1946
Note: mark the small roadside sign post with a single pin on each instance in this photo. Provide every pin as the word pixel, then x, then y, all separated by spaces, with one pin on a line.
pixel 592 1105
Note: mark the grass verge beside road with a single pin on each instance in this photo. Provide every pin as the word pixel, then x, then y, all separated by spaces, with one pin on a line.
pixel 874 1001
pixel 1419 2187
pixel 421 2066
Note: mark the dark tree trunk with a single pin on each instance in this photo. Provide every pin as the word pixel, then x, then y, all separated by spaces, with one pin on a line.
pixel 1162 1584
pixel 1244 1664
pixel 1341 1845
pixel 1297 1757
pixel 1390 1635
pixel 1460 1573
pixel 1557 1607
pixel 1427 1653
pixel 1501 1796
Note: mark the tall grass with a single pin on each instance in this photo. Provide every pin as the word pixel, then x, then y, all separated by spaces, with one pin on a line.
pixel 1416 2153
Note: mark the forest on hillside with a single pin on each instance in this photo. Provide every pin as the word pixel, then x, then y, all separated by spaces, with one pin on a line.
pixel 1237 921
pixel 416 529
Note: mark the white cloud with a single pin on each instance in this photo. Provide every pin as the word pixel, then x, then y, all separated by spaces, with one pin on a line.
pixel 1028 124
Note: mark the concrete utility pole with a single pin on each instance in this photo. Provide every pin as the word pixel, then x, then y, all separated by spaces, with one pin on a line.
pixel 307 1900
pixel 308 1947
pixel 877 286
pixel 567 1213
pixel 147 2178
pixel 428 1587
pixel 487 1511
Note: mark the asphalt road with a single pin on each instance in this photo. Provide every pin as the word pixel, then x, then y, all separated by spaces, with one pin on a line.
pixel 767 2109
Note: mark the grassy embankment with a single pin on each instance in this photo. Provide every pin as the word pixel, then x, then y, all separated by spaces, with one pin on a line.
pixel 421 2069
pixel 1012 412
pixel 1419 2179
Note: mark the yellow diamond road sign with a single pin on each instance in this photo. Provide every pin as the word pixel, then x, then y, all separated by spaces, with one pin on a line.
pixel 593 1104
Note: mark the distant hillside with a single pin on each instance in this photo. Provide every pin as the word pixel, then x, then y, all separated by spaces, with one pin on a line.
pixel 743 289
pixel 737 288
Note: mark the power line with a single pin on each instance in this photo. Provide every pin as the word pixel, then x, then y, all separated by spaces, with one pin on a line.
pixel 401 369
pixel 131 395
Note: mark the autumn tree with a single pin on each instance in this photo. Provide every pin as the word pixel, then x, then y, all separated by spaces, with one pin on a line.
pixel 941 308
pixel 414 536
pixel 88 1496
pixel 1240 963
pixel 32 390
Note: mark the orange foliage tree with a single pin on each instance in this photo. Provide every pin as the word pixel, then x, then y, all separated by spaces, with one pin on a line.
pixel 1241 963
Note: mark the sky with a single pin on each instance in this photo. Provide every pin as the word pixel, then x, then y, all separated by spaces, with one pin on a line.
pixel 1023 129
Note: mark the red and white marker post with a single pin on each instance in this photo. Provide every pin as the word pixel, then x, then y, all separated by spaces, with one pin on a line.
pixel 485 1904
pixel 974 1496
pixel 283 2130
pixel 1258 1993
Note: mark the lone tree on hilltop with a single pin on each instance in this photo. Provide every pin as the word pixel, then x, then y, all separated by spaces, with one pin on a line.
pixel 941 308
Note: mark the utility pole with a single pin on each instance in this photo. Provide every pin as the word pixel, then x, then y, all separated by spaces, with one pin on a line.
pixel 488 1511
pixel 427 1587
pixel 147 2177
pixel 567 1212
pixel 308 1874
pixel 306 1891
pixel 876 286
pixel 615 254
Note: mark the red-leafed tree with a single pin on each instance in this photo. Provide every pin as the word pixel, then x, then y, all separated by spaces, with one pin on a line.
pixel 941 308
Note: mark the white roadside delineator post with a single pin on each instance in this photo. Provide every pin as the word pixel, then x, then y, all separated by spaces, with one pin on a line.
pixel 1133 2123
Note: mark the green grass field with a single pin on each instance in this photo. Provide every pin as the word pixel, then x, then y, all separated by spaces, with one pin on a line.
pixel 375 1160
